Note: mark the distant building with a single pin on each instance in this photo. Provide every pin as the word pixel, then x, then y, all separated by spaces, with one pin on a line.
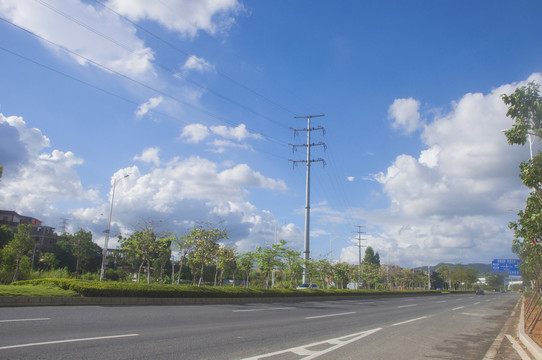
pixel 44 236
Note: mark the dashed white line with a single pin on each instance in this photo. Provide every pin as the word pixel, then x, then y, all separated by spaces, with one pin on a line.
pixel 66 341
pixel 457 308
pixel 18 320
pixel 409 321
pixel 329 315
pixel 440 302
pixel 404 306
pixel 265 309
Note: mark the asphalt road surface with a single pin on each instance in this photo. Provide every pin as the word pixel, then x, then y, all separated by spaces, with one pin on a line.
pixel 423 327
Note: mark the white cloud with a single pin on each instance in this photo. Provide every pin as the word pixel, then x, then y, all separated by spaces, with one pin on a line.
pixel 33 183
pixel 179 193
pixel 405 115
pixel 149 155
pixel 238 133
pixel 194 133
pixel 350 178
pixel 143 109
pixel 185 17
pixel 182 193
pixel 126 53
pixel 453 202
pixel 199 64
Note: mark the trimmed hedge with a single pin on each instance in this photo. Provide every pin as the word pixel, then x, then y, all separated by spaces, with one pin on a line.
pixel 117 289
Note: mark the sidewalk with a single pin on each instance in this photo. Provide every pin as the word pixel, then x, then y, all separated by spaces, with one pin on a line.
pixel 512 343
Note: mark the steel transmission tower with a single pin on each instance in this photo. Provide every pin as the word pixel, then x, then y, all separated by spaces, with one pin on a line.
pixel 308 145
pixel 359 232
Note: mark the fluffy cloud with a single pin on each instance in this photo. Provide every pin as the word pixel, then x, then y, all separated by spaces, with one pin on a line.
pixel 34 180
pixel 195 133
pixel 182 193
pixel 149 155
pixel 195 63
pixel 125 53
pixel 143 109
pixel 459 193
pixel 178 193
pixel 101 36
pixel 405 115
pixel 185 17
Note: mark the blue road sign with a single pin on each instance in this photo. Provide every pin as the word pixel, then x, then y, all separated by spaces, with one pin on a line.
pixel 510 265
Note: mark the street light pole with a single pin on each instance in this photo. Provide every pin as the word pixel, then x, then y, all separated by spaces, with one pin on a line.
pixel 108 230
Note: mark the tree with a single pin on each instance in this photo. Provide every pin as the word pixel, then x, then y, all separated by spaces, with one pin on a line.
pixel 185 246
pixel 370 268
pixel 245 264
pixel 6 235
pixel 525 108
pixel 226 260
pixel 269 258
pixel 21 245
pixel 446 273
pixel 86 253
pixel 293 267
pixel 48 261
pixel 205 239
pixel 342 272
pixel 144 247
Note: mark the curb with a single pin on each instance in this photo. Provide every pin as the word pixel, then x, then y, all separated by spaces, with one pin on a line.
pixel 6 301
pixel 534 349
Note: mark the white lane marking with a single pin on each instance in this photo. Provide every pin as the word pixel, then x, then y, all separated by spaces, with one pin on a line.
pixel 366 302
pixel 329 315
pixel 16 320
pixel 409 321
pixel 265 309
pixel 440 302
pixel 66 341
pixel 311 354
pixel 476 303
pixel 457 308
pixel 404 306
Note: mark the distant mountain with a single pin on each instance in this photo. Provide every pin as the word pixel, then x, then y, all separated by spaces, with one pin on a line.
pixel 481 268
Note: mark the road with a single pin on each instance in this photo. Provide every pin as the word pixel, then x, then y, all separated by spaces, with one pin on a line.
pixel 424 327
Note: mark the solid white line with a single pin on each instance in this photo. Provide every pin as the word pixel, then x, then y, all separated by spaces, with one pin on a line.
pixel 457 308
pixel 323 316
pixel 266 309
pixel 16 320
pixel 409 321
pixel 66 341
pixel 404 306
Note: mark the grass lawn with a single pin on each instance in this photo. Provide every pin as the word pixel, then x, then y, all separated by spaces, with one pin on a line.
pixel 35 290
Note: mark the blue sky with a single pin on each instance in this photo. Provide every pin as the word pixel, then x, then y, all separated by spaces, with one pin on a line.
pixel 196 101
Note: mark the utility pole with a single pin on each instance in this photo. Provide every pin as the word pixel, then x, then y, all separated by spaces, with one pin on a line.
pixel 64 223
pixel 428 277
pixel 359 254
pixel 308 145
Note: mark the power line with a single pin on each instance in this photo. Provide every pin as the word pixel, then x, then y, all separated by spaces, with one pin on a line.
pixel 174 98
pixel 176 74
pixel 73 78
